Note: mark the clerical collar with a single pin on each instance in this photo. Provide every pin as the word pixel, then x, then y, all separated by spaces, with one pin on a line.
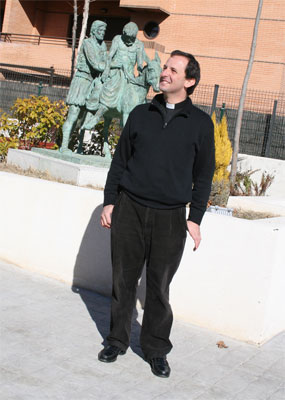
pixel 170 106
pixel 177 105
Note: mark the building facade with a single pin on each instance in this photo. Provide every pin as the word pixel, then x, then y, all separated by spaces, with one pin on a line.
pixel 218 33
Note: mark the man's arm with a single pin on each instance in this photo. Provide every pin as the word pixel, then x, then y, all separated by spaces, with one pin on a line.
pixel 112 52
pixel 140 55
pixel 119 163
pixel 92 57
pixel 203 170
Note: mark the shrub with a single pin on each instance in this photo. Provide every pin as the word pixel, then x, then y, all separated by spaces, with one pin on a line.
pixel 36 119
pixel 245 186
pixel 223 152
pixel 6 144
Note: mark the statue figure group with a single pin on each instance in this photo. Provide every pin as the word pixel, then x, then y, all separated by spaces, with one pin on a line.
pixel 105 85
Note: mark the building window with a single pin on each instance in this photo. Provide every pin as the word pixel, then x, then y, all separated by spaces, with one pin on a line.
pixel 151 30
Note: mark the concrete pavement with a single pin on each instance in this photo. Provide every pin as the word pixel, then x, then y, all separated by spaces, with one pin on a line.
pixel 51 335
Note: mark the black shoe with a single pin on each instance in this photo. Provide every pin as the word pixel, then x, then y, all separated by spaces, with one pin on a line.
pixel 110 354
pixel 160 367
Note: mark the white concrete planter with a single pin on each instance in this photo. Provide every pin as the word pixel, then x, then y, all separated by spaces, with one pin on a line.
pixel 234 284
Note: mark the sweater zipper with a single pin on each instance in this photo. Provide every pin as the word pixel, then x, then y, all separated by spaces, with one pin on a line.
pixel 162 113
pixel 171 119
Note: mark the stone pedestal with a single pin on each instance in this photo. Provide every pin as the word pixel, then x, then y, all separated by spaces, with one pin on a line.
pixel 72 168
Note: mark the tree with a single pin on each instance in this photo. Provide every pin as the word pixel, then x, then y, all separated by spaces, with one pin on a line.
pixel 75 15
pixel 84 24
pixel 243 94
pixel 223 153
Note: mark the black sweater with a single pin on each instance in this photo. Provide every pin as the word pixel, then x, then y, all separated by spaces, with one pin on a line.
pixel 157 162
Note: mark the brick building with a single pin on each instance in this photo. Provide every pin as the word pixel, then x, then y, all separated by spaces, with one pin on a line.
pixel 218 32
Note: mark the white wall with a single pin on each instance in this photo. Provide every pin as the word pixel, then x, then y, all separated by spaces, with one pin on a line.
pixel 234 283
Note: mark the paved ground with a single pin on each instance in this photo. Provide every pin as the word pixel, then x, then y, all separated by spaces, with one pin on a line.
pixel 51 335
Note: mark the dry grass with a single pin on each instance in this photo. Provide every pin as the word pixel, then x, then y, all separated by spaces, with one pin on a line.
pixel 249 214
pixel 38 174
pixel 238 212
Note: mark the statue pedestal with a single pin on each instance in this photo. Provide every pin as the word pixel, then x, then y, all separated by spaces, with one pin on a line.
pixel 95 161
pixel 72 168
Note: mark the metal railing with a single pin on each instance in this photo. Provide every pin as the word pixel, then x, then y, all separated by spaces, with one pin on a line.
pixel 36 39
pixel 31 74
pixel 43 40
pixel 62 41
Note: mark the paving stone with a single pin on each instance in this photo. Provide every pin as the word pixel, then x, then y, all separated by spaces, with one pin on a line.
pixel 215 393
pixel 260 389
pixel 234 382
pixel 51 336
pixel 192 387
pixel 212 373
pixel 279 394
pixel 278 368
pixel 238 356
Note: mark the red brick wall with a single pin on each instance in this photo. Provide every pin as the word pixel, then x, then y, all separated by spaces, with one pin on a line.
pixel 218 32
pixel 19 17
pixel 33 55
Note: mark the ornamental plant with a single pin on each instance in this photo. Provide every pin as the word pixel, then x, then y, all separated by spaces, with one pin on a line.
pixel 36 119
pixel 245 186
pixel 6 144
pixel 223 153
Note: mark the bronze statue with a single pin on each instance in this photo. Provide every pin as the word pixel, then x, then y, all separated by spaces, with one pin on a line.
pixel 87 79
pixel 122 90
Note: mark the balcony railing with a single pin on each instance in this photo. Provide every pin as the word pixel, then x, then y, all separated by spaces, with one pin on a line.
pixel 39 39
pixel 61 41
pixel 36 39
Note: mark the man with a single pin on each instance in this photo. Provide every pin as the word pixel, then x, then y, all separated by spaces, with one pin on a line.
pixel 126 51
pixel 90 65
pixel 164 159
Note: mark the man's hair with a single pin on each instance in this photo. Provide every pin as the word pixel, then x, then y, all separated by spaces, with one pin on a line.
pixel 130 29
pixel 192 70
pixel 97 24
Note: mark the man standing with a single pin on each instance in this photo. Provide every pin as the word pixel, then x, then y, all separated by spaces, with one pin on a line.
pixel 90 65
pixel 164 159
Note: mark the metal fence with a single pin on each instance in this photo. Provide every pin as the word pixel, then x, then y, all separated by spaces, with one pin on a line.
pixel 18 81
pixel 263 123
pixel 46 76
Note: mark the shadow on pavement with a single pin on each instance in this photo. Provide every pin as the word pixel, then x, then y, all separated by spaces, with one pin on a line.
pixel 92 279
pixel 99 307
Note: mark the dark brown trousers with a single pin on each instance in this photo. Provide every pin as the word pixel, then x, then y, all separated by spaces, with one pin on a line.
pixel 156 237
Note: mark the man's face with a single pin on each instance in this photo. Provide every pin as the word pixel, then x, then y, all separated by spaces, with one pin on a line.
pixel 129 40
pixel 100 32
pixel 172 77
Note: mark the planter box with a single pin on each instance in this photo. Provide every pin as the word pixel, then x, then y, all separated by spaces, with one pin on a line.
pixel 233 284
pixel 28 144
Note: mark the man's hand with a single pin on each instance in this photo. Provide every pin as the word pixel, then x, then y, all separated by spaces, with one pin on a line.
pixel 106 216
pixel 194 230
pixel 140 69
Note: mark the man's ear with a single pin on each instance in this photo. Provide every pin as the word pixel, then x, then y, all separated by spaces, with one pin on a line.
pixel 189 82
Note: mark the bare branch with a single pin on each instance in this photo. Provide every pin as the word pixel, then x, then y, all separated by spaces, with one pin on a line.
pixel 243 94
